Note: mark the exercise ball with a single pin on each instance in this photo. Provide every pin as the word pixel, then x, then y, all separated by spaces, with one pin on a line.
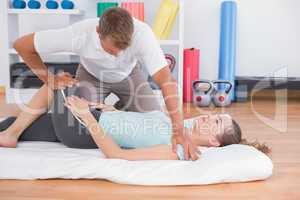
pixel 34 4
pixel 19 4
pixel 67 4
pixel 51 4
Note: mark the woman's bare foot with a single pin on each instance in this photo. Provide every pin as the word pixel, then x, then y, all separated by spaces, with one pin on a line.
pixel 8 140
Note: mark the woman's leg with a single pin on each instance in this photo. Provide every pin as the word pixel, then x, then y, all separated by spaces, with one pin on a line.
pixel 37 106
pixel 40 130
pixel 9 110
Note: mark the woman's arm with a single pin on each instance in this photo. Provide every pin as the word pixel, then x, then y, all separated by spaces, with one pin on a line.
pixel 112 150
pixel 108 145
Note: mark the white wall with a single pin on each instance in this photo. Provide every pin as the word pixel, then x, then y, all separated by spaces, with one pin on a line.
pixel 268 35
pixel 3 46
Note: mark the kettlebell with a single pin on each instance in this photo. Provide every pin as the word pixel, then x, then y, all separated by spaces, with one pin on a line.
pixel 51 4
pixel 19 4
pixel 34 4
pixel 221 97
pixel 202 97
pixel 67 4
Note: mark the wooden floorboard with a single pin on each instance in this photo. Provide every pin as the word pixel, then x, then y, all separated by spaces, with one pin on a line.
pixel 284 184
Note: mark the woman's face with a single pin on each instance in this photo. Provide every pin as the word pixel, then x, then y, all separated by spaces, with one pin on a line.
pixel 213 124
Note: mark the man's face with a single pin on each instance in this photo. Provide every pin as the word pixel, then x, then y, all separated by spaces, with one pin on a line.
pixel 108 45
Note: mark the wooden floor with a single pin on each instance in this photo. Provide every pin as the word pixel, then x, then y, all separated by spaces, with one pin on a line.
pixel 284 184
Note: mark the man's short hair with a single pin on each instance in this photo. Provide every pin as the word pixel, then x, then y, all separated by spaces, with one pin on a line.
pixel 117 23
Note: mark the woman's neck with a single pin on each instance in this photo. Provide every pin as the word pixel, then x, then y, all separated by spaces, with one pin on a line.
pixel 196 137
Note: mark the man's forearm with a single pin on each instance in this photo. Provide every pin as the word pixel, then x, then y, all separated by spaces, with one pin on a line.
pixel 25 47
pixel 170 93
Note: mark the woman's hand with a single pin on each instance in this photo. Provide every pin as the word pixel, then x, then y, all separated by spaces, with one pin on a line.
pixel 78 106
pixel 103 107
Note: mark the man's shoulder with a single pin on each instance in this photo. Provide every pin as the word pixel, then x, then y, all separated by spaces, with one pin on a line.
pixel 140 26
pixel 141 32
pixel 86 24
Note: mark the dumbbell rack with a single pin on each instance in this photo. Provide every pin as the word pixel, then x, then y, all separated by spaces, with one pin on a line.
pixel 12 19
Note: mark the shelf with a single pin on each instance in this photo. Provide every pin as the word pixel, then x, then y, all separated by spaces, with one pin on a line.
pixel 13 52
pixel 169 42
pixel 45 11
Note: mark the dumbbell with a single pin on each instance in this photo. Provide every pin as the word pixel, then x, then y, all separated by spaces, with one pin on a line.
pixel 67 4
pixel 34 4
pixel 19 4
pixel 221 96
pixel 202 96
pixel 51 4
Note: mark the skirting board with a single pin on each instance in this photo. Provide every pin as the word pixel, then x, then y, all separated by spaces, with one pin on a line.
pixel 292 83
pixel 246 84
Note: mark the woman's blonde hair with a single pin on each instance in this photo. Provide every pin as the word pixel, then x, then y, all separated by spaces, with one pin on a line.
pixel 234 136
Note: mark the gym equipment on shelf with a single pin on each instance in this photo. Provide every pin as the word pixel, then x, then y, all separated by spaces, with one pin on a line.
pixel 191 62
pixel 136 9
pixel 202 95
pixel 172 64
pixel 165 18
pixel 51 4
pixel 67 5
pixel 22 77
pixel 227 54
pixel 19 4
pixel 221 96
pixel 103 6
pixel 34 4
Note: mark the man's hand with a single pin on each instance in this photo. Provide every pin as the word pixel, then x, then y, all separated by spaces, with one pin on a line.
pixel 180 137
pixel 61 81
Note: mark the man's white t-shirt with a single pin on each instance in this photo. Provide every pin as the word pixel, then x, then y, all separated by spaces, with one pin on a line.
pixel 82 38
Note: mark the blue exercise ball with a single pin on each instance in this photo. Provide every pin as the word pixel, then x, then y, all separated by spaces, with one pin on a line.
pixel 19 4
pixel 34 4
pixel 67 4
pixel 51 4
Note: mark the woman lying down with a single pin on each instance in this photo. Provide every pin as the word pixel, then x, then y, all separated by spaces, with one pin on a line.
pixel 119 135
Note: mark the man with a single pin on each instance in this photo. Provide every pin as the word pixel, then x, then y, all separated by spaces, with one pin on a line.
pixel 109 50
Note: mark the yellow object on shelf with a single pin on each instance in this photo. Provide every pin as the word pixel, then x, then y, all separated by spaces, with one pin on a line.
pixel 165 18
pixel 2 90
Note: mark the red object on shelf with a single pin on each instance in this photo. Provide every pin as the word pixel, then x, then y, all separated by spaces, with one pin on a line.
pixel 136 9
pixel 141 11
pixel 190 72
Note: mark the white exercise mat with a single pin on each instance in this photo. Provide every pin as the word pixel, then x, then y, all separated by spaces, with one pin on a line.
pixel 43 160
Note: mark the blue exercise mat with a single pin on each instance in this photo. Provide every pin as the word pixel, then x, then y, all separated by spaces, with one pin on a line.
pixel 227 54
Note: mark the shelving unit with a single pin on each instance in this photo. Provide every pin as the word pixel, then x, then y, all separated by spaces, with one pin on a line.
pixel 45 11
pixel 11 31
pixel 13 52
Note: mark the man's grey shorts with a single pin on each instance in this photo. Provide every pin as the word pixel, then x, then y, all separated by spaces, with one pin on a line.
pixel 134 92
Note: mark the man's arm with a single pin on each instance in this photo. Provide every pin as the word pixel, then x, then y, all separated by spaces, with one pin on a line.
pixel 25 47
pixel 169 89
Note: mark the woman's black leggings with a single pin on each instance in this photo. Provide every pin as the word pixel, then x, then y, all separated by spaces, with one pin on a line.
pixel 58 126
